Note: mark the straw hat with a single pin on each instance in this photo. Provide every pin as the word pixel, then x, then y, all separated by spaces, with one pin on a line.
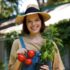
pixel 32 9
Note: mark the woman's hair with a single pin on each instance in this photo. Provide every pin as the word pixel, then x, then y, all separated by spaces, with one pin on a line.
pixel 25 29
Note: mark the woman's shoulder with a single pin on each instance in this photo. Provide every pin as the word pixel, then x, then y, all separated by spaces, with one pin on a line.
pixel 16 40
pixel 15 43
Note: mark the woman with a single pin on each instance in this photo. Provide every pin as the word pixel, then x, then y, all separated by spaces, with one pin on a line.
pixel 33 26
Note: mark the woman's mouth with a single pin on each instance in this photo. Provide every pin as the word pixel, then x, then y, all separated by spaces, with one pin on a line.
pixel 34 27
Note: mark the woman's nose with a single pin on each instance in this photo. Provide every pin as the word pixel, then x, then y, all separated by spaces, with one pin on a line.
pixel 33 23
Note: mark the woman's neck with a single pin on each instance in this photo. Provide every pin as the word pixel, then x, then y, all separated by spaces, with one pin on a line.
pixel 35 35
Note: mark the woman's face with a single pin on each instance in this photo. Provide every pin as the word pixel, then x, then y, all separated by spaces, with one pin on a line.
pixel 33 23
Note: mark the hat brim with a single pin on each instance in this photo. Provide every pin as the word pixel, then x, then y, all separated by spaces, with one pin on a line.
pixel 20 18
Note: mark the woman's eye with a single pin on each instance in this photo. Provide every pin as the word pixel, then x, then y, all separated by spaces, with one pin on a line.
pixel 28 21
pixel 37 19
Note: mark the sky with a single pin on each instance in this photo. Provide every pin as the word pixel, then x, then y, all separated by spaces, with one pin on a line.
pixel 24 3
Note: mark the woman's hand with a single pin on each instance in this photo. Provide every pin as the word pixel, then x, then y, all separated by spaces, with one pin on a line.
pixel 44 67
pixel 21 50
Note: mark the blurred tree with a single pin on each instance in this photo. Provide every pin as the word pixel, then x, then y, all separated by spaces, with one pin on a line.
pixel 10 37
pixel 7 7
pixel 50 2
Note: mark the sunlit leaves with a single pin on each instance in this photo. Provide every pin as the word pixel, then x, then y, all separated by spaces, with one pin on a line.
pixel 52 41
pixel 7 8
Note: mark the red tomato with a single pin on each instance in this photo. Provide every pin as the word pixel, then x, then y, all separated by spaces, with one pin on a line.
pixel 28 61
pixel 31 53
pixel 21 57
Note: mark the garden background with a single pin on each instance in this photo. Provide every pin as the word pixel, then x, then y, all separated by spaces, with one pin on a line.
pixel 58 31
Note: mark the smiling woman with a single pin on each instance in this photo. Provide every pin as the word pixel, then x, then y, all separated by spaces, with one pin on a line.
pixel 33 26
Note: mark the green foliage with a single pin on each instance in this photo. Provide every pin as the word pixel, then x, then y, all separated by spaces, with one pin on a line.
pixel 49 47
pixel 10 37
pixel 64 32
pixel 2 65
pixel 59 34
pixel 64 29
pixel 7 7
pixel 48 50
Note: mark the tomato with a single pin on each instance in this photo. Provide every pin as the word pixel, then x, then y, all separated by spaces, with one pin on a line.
pixel 31 53
pixel 28 61
pixel 21 57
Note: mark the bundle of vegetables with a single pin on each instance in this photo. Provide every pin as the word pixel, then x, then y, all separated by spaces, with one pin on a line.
pixel 49 47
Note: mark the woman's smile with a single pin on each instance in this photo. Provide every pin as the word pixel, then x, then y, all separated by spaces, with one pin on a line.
pixel 34 27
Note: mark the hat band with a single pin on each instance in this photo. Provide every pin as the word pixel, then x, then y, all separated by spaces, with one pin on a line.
pixel 31 9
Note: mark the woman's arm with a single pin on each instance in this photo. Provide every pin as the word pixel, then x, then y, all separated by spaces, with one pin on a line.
pixel 57 64
pixel 14 64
